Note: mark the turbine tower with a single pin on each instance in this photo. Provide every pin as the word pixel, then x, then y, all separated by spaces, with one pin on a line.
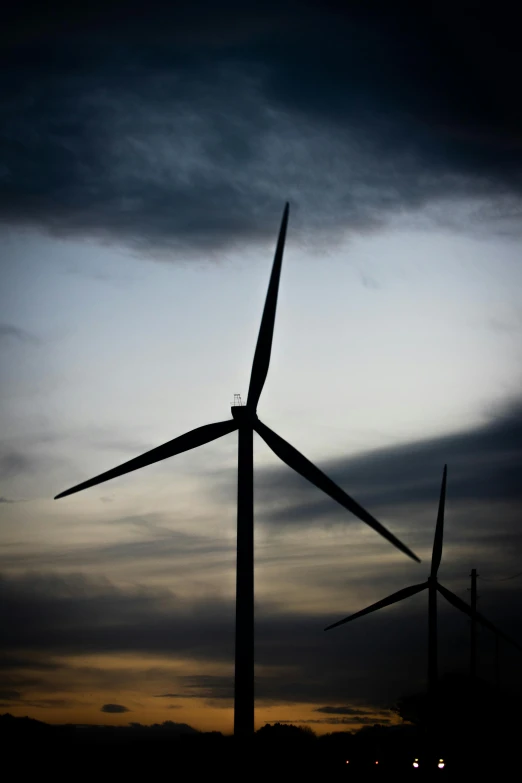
pixel 433 586
pixel 245 421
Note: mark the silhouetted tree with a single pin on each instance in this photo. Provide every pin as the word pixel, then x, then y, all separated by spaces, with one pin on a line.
pixel 286 732
pixel 465 710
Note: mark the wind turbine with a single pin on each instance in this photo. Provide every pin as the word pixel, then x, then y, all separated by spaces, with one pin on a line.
pixel 433 586
pixel 245 421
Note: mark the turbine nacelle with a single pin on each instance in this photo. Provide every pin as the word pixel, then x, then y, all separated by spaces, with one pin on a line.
pixel 244 414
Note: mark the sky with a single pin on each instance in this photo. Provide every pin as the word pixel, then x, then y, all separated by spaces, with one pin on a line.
pixel 146 154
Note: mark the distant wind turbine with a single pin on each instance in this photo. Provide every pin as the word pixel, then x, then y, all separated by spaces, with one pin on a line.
pixel 245 421
pixel 432 585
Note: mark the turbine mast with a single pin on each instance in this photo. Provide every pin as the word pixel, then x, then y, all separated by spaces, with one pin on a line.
pixel 436 557
pixel 244 643
pixel 473 649
pixel 432 638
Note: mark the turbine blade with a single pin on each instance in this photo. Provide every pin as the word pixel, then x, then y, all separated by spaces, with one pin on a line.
pixel 266 330
pixel 394 598
pixel 439 529
pixel 190 440
pixel 458 603
pixel 300 464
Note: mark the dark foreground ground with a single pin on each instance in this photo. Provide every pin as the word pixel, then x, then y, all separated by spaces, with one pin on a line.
pixel 31 750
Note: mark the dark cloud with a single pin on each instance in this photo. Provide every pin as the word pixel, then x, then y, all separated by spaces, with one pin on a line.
pixel 13 462
pixel 52 612
pixel 114 708
pixel 484 467
pixel 10 695
pixel 10 332
pixel 188 126
pixel 9 662
pixel 159 544
pixel 49 704
pixel 372 662
pixel 210 687
pixel 341 710
pixel 356 720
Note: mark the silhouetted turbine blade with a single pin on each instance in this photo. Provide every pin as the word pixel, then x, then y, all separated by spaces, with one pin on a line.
pixel 266 330
pixel 394 598
pixel 301 465
pixel 464 607
pixel 190 440
pixel 439 530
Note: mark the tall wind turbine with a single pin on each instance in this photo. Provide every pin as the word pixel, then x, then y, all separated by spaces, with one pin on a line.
pixel 433 586
pixel 245 421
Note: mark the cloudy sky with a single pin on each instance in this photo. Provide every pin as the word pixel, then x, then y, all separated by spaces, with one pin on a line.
pixel 145 157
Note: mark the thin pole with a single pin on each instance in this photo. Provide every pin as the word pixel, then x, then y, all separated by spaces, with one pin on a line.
pixel 244 652
pixel 473 647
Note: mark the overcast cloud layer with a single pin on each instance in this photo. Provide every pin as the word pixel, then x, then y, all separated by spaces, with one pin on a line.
pixel 190 124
